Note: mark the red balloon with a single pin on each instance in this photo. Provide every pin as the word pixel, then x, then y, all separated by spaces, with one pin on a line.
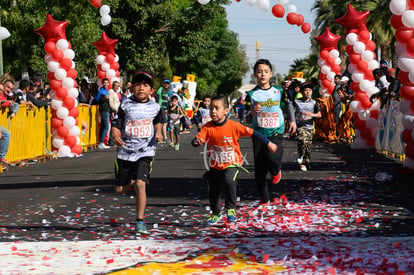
pixel 350 49
pixel 96 3
pixel 358 123
pixel 330 61
pixel 300 19
pixel 105 44
pixel 410 4
pixel 409 150
pixel 109 58
pixel 336 68
pixel 72 73
pixel 291 18
pixel 373 114
pixel 370 45
pixel 52 30
pixel 117 73
pixel 396 21
pixel 61 93
pixel 278 11
pixel 362 66
pixel 63 132
pixel 410 45
pixel 403 35
pixel 324 54
pixel 403 77
pixel 364 36
pixel 66 63
pixel 68 102
pixel 55 84
pixel 353 20
pixel 74 112
pixel 57 55
pixel 101 74
pixel 56 122
pixel 51 76
pixel 77 150
pixel 70 141
pixel 327 40
pixel 50 47
pixel 326 83
pixel 354 58
pixel 322 76
pixel 115 66
pixel 406 136
pixel 354 86
pixel 306 27
pixel 407 92
pixel 412 105
pixel 366 133
pixel 370 141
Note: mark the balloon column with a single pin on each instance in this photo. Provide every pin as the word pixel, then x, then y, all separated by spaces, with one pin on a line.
pixel 64 94
pixel 292 17
pixel 360 49
pixel 403 21
pixel 328 61
pixel 107 60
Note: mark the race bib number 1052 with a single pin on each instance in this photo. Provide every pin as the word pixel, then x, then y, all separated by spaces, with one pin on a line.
pixel 139 128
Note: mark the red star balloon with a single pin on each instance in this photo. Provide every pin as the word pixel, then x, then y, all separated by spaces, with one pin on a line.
pixel 52 30
pixel 353 20
pixel 328 40
pixel 105 45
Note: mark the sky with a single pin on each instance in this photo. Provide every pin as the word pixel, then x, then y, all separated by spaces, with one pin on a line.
pixel 279 41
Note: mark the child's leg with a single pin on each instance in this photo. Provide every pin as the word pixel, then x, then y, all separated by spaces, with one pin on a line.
pixel 301 142
pixel 307 146
pixel 230 187
pixel 215 178
pixel 140 198
pixel 260 171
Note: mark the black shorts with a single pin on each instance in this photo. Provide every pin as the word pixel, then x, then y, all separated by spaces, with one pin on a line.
pixel 164 117
pixel 125 171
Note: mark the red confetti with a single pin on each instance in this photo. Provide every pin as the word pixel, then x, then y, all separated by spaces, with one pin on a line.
pixel 110 261
pixel 265 257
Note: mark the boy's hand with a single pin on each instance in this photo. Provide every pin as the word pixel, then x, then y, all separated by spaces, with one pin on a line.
pixel 116 137
pixel 196 142
pixel 272 147
pixel 158 137
pixel 257 109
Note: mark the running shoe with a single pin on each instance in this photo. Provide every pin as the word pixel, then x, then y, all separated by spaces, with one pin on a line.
pixel 231 215
pixel 103 146
pixel 177 147
pixel 214 219
pixel 140 227
pixel 300 159
pixel 303 167
pixel 276 179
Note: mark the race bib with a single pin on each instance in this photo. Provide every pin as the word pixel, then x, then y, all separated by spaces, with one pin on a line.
pixel 139 128
pixel 303 116
pixel 268 120
pixel 205 119
pixel 221 155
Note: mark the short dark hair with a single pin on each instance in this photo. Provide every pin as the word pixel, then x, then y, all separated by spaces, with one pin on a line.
pixel 207 96
pixel 24 83
pixel 223 99
pixel 262 61
pixel 105 79
pixel 174 97
pixel 142 75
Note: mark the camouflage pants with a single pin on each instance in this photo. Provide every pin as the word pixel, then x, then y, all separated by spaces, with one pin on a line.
pixel 305 138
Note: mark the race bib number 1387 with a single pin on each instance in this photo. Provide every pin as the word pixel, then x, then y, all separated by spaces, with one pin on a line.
pixel 139 128
pixel 268 120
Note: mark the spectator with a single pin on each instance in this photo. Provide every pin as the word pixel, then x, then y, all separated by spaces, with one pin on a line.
pixel 161 97
pixel 5 102
pixel 102 97
pixel 21 93
pixel 4 144
pixel 34 96
pixel 115 96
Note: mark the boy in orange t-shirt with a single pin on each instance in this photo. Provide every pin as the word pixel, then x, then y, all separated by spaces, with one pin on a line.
pixel 224 156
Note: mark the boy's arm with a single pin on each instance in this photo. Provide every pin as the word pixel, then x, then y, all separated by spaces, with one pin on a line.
pixel 291 117
pixel 116 124
pixel 270 145
pixel 158 132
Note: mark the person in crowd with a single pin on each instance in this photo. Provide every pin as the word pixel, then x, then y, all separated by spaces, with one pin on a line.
pixel 203 113
pixel 395 85
pixel 162 99
pixel 102 97
pixel 115 96
pixel 4 144
pixel 22 91
pixel 135 131
pixel 306 109
pixel 126 93
pixel 34 96
pixel 264 113
pixel 9 87
pixel 175 113
pixel 380 79
pixel 6 102
pixel 239 109
pixel 344 127
pixel 335 97
pixel 225 159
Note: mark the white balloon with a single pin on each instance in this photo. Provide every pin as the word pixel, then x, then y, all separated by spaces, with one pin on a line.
pixel 405 63
pixel 351 38
pixel 203 2
pixel 106 19
pixel 408 122
pixel 363 114
pixel 56 103
pixel 68 83
pixel 334 53
pixel 405 107
pixel 367 55
pixel 116 59
pixel 115 79
pixel 110 73
pixel 355 106
pixel 338 60
pixel 69 122
pixel 400 49
pixel 263 5
pixel 4 33
pixel 64 151
pixel 408 18
pixel 251 2
pixel 321 62
pixel 376 104
pixel 73 65
pixel 105 66
pixel 291 8
pixel 398 7
pixel 283 2
pixel 411 76
pixel 325 69
pixel 373 64
pixel 57 142
pixel 322 91
pixel 52 66
pixel 74 131
pixel 60 74
pixel 357 77
pixel 359 47
pixel 331 76
pixel 62 44
pixel 352 68
pixel 47 58
pixel 364 85
pixel 69 53
pixel 104 9
pixel 62 112
pixel 73 92
pixel 78 141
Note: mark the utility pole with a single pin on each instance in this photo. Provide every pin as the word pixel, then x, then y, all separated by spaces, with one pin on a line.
pixel 257 50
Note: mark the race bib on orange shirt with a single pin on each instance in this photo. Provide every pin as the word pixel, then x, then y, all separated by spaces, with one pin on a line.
pixel 139 128
pixel 205 119
pixel 220 155
pixel 268 120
